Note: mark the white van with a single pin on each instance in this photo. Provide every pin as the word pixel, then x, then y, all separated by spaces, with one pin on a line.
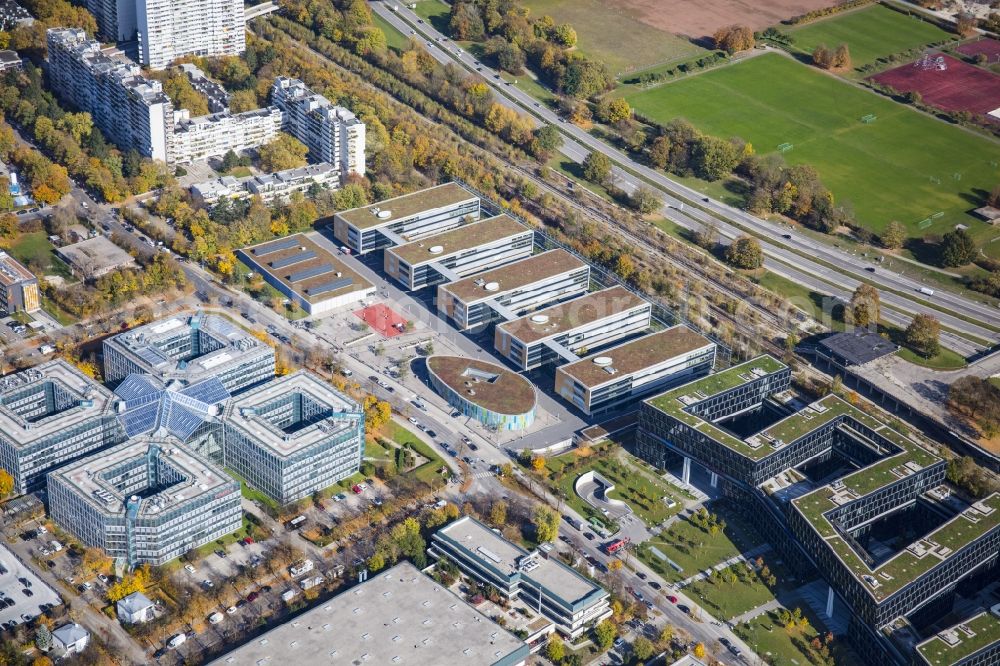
pixel 176 641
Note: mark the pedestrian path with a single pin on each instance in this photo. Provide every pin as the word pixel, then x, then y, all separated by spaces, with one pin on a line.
pixel 742 557
pixel 771 605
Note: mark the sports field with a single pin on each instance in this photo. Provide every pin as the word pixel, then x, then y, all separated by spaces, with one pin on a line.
pixel 905 166
pixel 959 86
pixel 869 33
pixel 607 32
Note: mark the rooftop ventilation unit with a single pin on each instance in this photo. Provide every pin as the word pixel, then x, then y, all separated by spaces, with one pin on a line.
pixel 436 249
pixel 542 319
pixel 603 361
pixel 384 214
pixel 491 286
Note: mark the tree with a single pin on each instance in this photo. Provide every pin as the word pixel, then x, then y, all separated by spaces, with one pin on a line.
pixel 243 100
pixel 957 248
pixel 745 253
pixel 555 650
pixel 842 57
pixel 865 308
pixel 659 152
pixel 546 522
pixel 699 651
pixel 538 464
pixel 644 200
pixel 564 35
pixel 597 168
pixel 713 158
pixel 605 633
pixel 284 152
pixel 377 414
pixel 43 638
pixel 643 648
pixel 734 38
pixel 547 140
pixel 894 236
pixel 498 513
pixel 6 483
pixel 618 110
pixel 923 335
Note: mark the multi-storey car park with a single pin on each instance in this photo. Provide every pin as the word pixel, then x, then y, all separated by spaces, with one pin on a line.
pixel 975 642
pixel 293 436
pixel 405 218
pixel 398 616
pixel 606 380
pixel 596 319
pixel 835 487
pixel 190 348
pixel 148 500
pixel 546 585
pixel 50 415
pixel 488 392
pixel 307 274
pixel 513 289
pixel 459 252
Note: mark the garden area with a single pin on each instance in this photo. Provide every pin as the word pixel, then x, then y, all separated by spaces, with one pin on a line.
pixel 698 542
pixel 787 638
pixel 735 590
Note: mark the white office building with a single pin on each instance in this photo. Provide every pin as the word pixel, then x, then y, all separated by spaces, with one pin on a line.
pixel 332 133
pixel 190 349
pixel 146 501
pixel 293 436
pixel 50 415
pixel 169 29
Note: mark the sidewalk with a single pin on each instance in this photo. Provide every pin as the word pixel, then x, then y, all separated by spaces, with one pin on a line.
pixel 742 557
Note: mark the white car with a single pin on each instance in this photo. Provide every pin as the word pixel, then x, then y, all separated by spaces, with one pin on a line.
pixel 41 530
pixel 102 578
pixel 87 585
pixel 189 568
pixel 412 420
pixel 207 584
pixel 216 618
pixel 231 610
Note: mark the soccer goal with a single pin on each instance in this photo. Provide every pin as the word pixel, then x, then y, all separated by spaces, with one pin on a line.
pixel 784 147
pixel 869 119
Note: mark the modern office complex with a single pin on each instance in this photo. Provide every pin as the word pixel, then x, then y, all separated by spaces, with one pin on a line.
pixel 459 252
pixel 50 415
pixel 307 274
pixel 513 289
pixel 332 133
pixel 836 488
pixel 293 436
pixel 189 413
pixel 189 349
pixel 269 187
pixel 405 218
pixel 218 133
pixel 148 500
pixel 485 391
pixel 18 287
pixel 398 616
pixel 130 110
pixel 544 584
pixel 584 323
pixel 975 642
pixel 169 29
pixel 606 380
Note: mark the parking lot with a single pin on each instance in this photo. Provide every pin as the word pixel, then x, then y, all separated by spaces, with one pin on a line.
pixel 24 588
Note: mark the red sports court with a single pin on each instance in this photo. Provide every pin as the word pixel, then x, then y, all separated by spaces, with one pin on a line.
pixel 382 319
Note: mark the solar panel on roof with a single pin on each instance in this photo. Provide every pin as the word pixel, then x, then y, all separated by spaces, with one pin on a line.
pixel 310 272
pixel 276 246
pixel 293 259
pixel 333 285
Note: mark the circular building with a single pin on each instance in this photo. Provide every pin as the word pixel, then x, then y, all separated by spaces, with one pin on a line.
pixel 485 391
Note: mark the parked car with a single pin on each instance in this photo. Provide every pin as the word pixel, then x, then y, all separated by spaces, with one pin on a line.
pixel 189 568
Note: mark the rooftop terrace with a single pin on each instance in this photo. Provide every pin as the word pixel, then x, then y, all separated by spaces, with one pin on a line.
pixel 513 276
pixel 962 640
pixel 407 205
pixel 636 355
pixel 569 315
pixel 491 386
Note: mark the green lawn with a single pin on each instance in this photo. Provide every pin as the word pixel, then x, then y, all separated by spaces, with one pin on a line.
pixel 870 33
pixel 640 490
pixel 394 39
pixel 211 546
pixel 883 169
pixel 375 450
pixel 800 296
pixel 946 359
pixel 695 549
pixel 615 37
pixel 726 600
pixel 790 647
pixel 428 472
pixel 434 12
pixel 34 249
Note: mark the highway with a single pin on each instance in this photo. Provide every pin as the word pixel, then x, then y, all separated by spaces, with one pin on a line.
pixel 798 257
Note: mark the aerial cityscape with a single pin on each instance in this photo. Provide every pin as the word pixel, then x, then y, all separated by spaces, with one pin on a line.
pixel 500 332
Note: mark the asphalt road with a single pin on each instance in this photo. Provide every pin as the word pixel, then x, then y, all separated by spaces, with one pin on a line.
pixel 815 264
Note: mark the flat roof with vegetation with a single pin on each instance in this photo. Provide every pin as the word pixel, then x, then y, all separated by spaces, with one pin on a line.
pixel 516 275
pixel 639 354
pixel 494 387
pixel 572 314
pixel 973 635
pixel 407 205
pixel 465 237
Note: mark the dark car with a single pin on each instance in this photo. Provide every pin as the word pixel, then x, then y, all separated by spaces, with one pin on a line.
pixel 220 552
pixel 431 433
pixel 684 609
pixel 589 536
pixel 725 641
pixel 473 447
pixel 641 575
pixel 27 592
pixel 656 586
pixel 50 564
pixel 252 596
pixel 265 588
pixel 241 603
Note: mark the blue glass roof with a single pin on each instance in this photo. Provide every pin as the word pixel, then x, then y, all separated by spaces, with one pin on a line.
pixel 179 410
